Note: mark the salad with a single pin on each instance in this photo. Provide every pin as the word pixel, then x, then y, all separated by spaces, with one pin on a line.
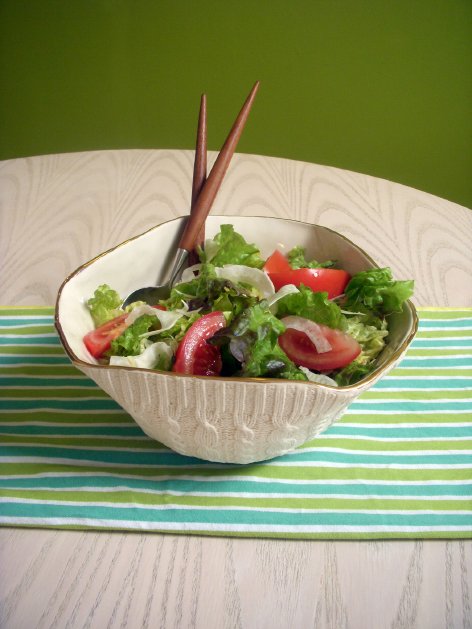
pixel 238 314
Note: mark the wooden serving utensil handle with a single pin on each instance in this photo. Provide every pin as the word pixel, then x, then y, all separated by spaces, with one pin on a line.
pixel 202 206
pixel 199 173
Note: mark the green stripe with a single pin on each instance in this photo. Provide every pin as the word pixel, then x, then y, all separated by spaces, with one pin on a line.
pixel 144 498
pixel 28 330
pixel 19 311
pixel 409 418
pixel 320 443
pixel 444 313
pixel 20 350
pixel 42 394
pixel 432 351
pixel 91 442
pixel 66 417
pixel 272 472
pixel 40 370
pixel 405 395
pixel 431 371
pixel 437 334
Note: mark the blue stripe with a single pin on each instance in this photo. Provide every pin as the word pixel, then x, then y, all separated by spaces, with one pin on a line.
pixel 44 381
pixel 436 361
pixel 421 343
pixel 445 323
pixel 64 405
pixel 24 323
pixel 61 429
pixel 28 340
pixel 158 458
pixel 362 488
pixel 35 360
pixel 423 383
pixel 406 406
pixel 170 459
pixel 231 516
pixel 399 432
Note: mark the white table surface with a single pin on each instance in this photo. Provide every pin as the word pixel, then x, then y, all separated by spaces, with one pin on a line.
pixel 57 212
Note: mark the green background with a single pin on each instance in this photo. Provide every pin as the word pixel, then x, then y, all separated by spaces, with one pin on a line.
pixel 380 87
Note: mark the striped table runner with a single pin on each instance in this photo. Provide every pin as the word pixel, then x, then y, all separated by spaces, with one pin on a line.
pixel 398 464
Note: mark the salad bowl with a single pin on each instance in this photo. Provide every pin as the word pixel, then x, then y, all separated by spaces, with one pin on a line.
pixel 222 419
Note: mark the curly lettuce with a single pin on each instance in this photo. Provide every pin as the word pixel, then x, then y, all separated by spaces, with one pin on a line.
pixel 377 292
pixel 229 247
pixel 297 260
pixel 314 306
pixel 104 305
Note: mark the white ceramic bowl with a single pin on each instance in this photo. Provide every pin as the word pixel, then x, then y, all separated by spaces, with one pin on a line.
pixel 218 419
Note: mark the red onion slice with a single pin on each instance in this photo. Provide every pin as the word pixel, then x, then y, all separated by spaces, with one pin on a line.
pixel 311 329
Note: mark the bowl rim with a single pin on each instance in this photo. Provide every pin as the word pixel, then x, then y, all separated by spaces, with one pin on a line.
pixel 374 375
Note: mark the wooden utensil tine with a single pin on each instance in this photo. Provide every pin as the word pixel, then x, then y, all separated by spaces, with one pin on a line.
pixel 199 171
pixel 210 188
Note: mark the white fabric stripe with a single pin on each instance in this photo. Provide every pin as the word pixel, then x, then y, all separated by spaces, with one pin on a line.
pixel 254 479
pixel 91 462
pixel 243 494
pixel 184 507
pixel 27 375
pixel 76 425
pixel 44 398
pixel 406 400
pixel 398 426
pixel 445 318
pixel 356 411
pixel 422 329
pixel 46 335
pixel 40 387
pixel 418 344
pixel 433 368
pixel 42 409
pixel 63 435
pixel 425 377
pixel 407 390
pixel 232 528
pixel 318 448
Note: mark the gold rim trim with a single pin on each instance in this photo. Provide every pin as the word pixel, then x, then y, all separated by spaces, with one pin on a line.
pixel 376 374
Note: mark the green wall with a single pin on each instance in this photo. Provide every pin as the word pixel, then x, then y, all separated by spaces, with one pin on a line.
pixel 381 87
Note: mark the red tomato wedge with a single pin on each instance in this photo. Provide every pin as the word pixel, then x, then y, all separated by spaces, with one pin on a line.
pixel 277 263
pixel 331 281
pixel 194 355
pixel 98 341
pixel 300 349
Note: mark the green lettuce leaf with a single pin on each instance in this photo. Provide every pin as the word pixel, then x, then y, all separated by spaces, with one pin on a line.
pixel 314 306
pixel 104 305
pixel 370 333
pixel 297 260
pixel 229 247
pixel 376 290
pixel 130 342
pixel 208 292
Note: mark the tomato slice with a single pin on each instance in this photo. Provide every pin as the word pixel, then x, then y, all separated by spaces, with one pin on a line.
pixel 300 349
pixel 277 263
pixel 331 281
pixel 98 341
pixel 194 355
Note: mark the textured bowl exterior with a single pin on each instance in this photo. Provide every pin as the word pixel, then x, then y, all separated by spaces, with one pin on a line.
pixel 233 421
pixel 227 420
